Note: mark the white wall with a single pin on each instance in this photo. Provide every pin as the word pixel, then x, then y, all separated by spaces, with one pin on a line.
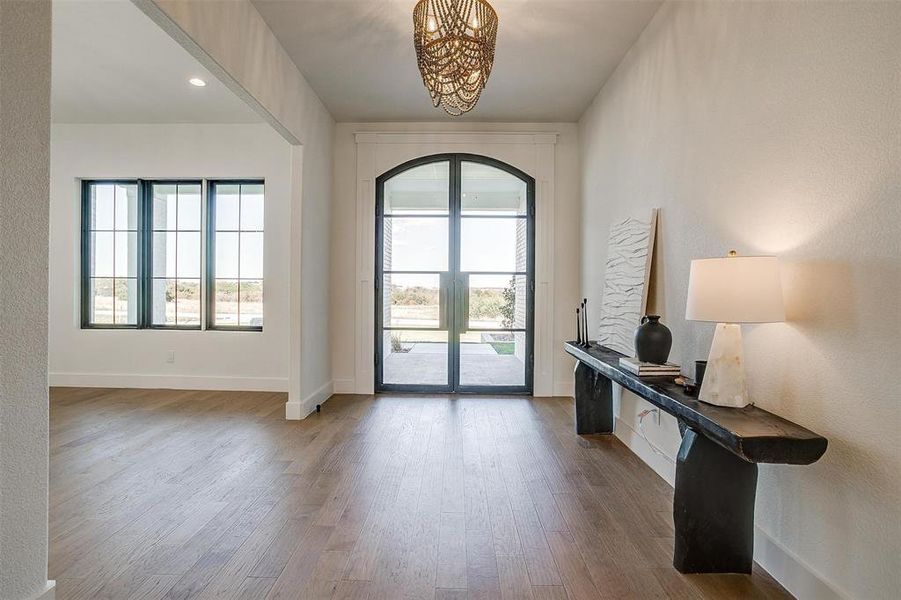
pixel 313 302
pixel 776 128
pixel 137 358
pixel 233 42
pixel 24 229
pixel 349 333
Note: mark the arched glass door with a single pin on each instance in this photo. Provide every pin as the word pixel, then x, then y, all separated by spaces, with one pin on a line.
pixel 454 276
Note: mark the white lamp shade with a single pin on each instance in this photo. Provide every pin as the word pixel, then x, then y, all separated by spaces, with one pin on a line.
pixel 735 289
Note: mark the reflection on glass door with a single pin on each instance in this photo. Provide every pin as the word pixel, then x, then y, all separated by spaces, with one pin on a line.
pixel 454 264
pixel 493 278
pixel 413 267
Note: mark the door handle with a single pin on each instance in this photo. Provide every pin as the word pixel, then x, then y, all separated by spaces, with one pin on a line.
pixel 443 304
pixel 464 301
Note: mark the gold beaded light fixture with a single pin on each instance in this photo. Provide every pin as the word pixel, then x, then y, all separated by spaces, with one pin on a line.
pixel 454 42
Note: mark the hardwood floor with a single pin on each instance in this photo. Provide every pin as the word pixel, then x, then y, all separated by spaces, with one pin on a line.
pixel 175 494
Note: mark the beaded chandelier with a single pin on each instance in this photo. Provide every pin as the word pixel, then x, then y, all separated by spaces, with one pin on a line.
pixel 454 42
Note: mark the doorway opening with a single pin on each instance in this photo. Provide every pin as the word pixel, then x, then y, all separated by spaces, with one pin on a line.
pixel 454 264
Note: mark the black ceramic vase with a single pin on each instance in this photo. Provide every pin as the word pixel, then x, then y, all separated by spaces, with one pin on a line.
pixel 653 340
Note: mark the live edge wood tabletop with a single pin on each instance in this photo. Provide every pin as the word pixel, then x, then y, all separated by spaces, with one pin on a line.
pixel 716 468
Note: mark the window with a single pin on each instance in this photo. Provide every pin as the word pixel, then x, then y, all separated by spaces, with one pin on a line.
pixel 110 225
pixel 236 255
pixel 143 249
pixel 175 254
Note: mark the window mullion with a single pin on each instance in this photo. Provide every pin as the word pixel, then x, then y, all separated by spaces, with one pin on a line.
pixel 209 280
pixel 177 237
pixel 144 257
pixel 204 201
pixel 85 254
pixel 115 249
pixel 240 202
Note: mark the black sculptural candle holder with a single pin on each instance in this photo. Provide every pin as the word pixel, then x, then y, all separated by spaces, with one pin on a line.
pixel 585 342
pixel 578 327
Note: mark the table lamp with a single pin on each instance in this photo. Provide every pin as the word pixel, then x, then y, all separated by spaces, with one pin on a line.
pixel 729 291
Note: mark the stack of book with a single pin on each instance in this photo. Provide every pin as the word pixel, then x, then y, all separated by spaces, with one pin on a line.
pixel 646 369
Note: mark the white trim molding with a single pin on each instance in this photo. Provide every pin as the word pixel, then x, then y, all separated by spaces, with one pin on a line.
pixel 565 388
pixel 48 593
pixel 170 382
pixel 294 411
pixel 295 340
pixel 791 572
pixel 344 386
pixel 455 137
pixel 531 152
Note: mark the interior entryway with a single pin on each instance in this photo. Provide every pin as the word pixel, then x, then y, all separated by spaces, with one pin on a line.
pixel 496 494
pixel 454 276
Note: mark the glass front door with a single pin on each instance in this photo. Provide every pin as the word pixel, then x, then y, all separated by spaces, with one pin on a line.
pixel 454 276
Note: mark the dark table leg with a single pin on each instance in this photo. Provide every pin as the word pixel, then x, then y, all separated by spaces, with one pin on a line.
pixel 713 508
pixel 594 401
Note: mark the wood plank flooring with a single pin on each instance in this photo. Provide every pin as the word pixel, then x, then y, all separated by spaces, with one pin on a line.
pixel 176 494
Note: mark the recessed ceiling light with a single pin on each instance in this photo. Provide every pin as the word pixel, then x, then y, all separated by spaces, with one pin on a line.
pixel 197 81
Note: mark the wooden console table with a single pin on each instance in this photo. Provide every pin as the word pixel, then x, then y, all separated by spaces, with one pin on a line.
pixel 716 469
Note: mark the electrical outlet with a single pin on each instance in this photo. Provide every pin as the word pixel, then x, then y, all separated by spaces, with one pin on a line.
pixel 654 413
pixel 170 357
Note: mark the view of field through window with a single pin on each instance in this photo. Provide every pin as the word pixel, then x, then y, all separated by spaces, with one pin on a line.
pixel 113 253
pixel 238 242
pixel 144 244
pixel 176 253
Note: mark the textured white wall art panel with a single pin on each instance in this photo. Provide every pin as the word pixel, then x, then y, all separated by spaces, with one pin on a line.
pixel 625 298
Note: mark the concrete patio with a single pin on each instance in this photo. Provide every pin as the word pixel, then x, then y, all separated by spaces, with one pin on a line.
pixel 480 365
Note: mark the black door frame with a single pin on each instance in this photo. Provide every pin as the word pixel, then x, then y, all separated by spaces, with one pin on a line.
pixel 455 318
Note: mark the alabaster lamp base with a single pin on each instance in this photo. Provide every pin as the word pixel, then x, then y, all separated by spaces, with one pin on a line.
pixel 724 380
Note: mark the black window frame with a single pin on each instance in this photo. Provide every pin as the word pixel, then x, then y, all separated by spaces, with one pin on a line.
pixel 456 317
pixel 86 255
pixel 211 255
pixel 147 257
pixel 145 232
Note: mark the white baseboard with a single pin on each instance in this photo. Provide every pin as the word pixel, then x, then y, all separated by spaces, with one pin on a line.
pixel 294 411
pixel 344 386
pixel 791 572
pixel 633 440
pixel 170 382
pixel 784 566
pixel 48 593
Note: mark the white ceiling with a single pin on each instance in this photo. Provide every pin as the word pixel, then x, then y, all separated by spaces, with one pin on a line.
pixel 552 55
pixel 112 64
